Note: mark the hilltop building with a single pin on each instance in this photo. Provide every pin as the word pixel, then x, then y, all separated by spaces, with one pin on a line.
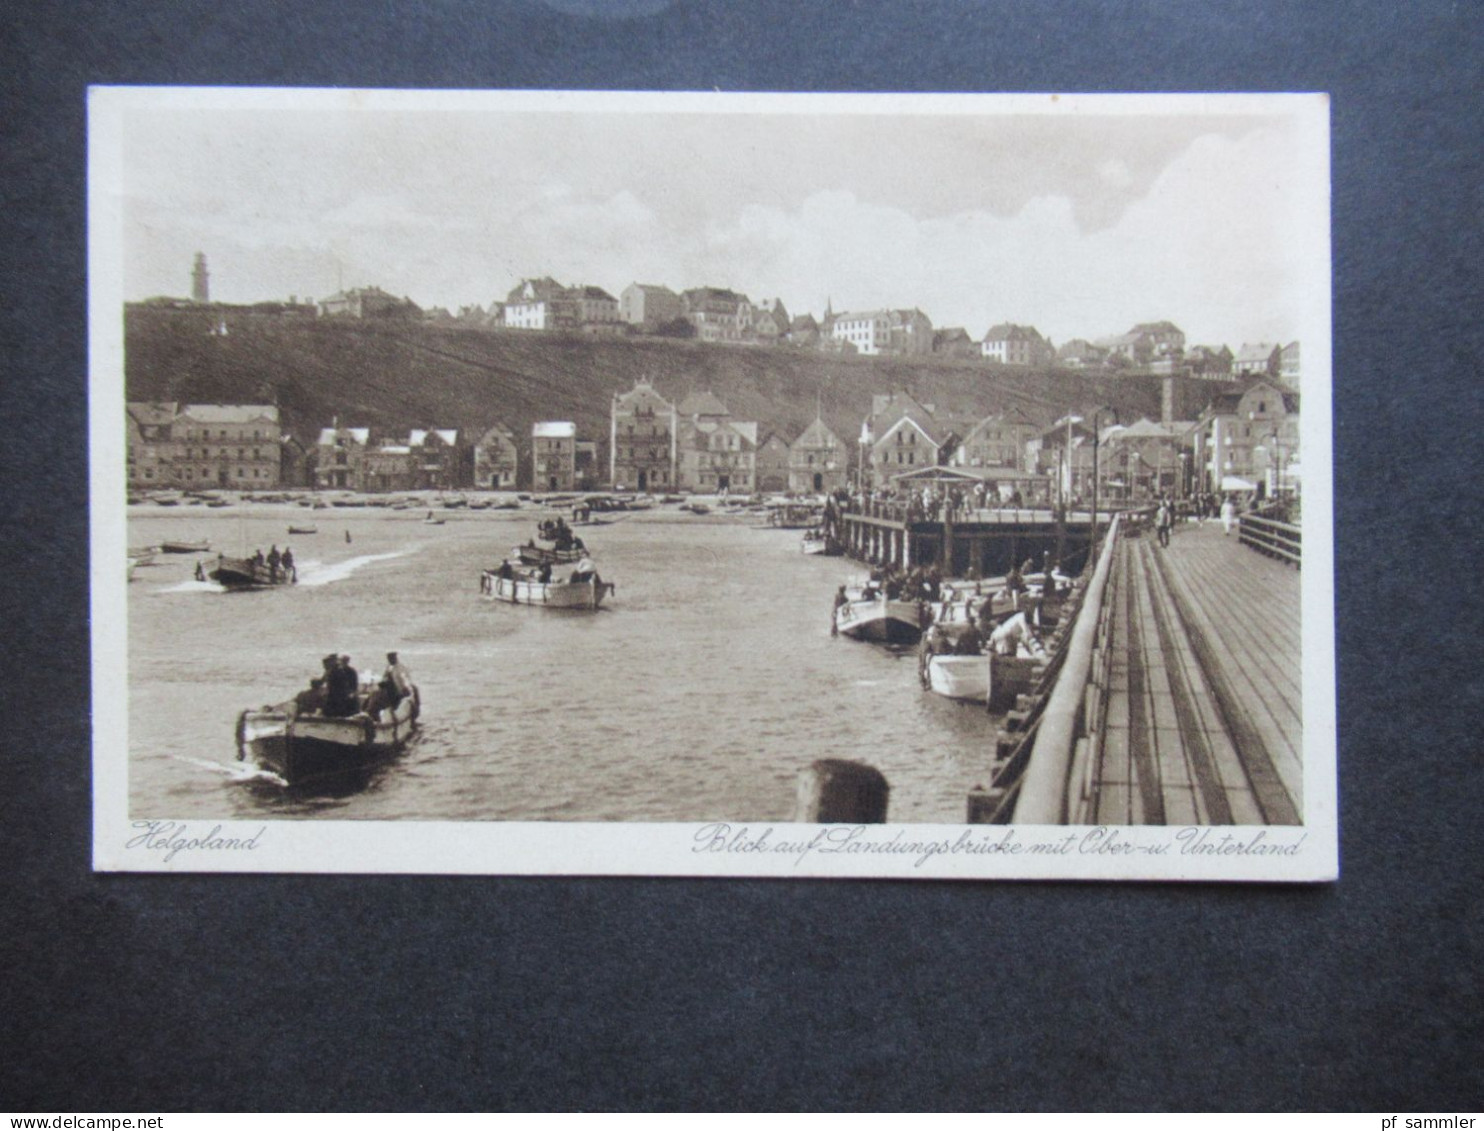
pixel 648 305
pixel 954 341
pixel 367 302
pixel 642 440
pixel 899 333
pixel 1288 365
pixel 1079 353
pixel 1258 359
pixel 718 314
pixel 1010 344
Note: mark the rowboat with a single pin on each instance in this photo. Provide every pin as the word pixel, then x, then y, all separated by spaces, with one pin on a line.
pixel 534 554
pixel 246 573
pixel 303 529
pixel 994 680
pixel 301 746
pixel 524 589
pixel 816 541
pixel 143 555
pixel 202 547
pixel 794 516
pixel 880 620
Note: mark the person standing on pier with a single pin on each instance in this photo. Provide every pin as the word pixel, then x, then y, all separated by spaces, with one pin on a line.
pixel 1163 520
pixel 1228 515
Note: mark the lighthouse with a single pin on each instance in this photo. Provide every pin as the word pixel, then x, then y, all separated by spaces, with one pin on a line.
pixel 200 280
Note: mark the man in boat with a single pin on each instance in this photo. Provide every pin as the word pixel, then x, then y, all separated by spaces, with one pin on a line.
pixel 274 559
pixel 506 572
pixel 288 565
pixel 343 684
pixel 584 572
pixel 312 699
pixel 258 558
pixel 543 575
pixel 1008 638
pixel 396 680
pixel 840 599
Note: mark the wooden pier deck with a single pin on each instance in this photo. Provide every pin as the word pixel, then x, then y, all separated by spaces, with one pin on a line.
pixel 1203 717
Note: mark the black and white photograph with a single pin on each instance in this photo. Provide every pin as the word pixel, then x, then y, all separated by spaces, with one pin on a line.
pixel 701 484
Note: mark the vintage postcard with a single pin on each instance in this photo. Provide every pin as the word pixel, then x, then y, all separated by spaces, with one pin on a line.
pixel 712 485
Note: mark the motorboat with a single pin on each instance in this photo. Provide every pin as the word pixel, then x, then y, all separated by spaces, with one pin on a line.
pixel 300 746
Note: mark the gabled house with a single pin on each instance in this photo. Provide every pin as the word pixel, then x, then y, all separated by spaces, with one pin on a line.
pixel 648 305
pixel 1249 440
pixel 1258 359
pixel 954 341
pixel 818 460
pixel 772 463
pixel 718 314
pixel 496 458
pixel 1010 344
pixel 539 304
pixel 900 435
pixel 642 440
pixel 999 440
pixel 338 457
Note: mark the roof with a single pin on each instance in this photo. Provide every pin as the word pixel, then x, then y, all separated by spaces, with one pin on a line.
pixel 230 413
pixel 152 412
pixel 1256 351
pixel 419 436
pixel 703 404
pixel 817 435
pixel 1144 428
pixel 554 430
pixel 338 435
pixel 540 289
pixel 1010 332
pixel 651 289
pixel 950 333
pixel 803 322
pixel 497 430
pixel 593 293
pixel 920 421
pixel 1156 328
pixel 938 473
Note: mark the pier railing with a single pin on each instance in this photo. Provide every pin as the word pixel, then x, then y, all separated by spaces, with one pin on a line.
pixel 1047 747
pixel 1282 540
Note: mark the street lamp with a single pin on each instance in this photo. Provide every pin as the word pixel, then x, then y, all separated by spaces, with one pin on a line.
pixel 1276 457
pixel 1097 432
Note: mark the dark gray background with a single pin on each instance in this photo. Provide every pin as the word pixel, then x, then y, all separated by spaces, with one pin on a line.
pixel 159 993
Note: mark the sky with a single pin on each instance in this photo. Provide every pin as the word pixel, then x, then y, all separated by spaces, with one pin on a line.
pixel 1080 222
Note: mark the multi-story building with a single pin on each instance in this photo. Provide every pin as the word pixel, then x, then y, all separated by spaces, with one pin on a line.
pixel 1010 344
pixel 338 457
pixel 954 341
pixel 770 321
pixel 1209 361
pixel 439 460
pixel 553 455
pixel 901 435
pixel 648 305
pixel 900 333
pixel 1079 353
pixel 209 445
pixel 496 459
pixel 1288 365
pixel 367 302
pixel 718 314
pixel 1258 359
pixel 772 463
pixel 642 440
pixel 803 330
pixel 1145 459
pixel 1249 439
pixel 718 456
pixel 148 449
pixel 997 441
pixel 818 460
pixel 1165 338
pixel 594 308
pixel 539 304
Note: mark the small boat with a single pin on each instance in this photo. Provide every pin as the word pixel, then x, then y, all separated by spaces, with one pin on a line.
pixel 218 503
pixel 302 746
pixel 794 516
pixel 432 520
pixel 245 573
pixel 143 555
pixel 816 541
pixel 696 508
pixel 202 547
pixel 524 588
pixel 990 679
pixel 535 553
pixel 310 529
pixel 880 620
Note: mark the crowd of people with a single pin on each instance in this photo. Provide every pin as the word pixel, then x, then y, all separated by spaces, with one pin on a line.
pixel 336 692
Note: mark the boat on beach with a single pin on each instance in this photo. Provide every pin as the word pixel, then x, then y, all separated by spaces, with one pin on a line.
pixel 311 529
pixel 202 547
pixel 302 746
pixel 245 573
pixel 523 587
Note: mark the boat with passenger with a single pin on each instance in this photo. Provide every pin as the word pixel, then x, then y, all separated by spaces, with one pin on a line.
pixel 794 516
pixel 867 613
pixel 817 541
pixel 237 574
pixel 299 740
pixel 582 588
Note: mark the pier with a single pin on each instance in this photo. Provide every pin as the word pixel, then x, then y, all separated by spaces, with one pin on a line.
pixel 983 540
pixel 1174 698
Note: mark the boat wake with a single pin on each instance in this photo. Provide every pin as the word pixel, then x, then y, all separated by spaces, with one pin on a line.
pixel 313 573
pixel 237 771
pixel 193 586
